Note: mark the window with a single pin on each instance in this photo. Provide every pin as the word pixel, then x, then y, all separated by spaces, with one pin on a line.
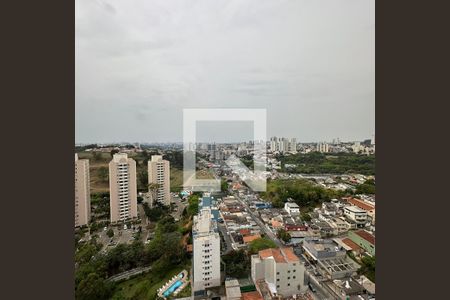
pixel 293 277
pixel 278 279
pixel 294 271
pixel 288 284
pixel 278 286
pixel 278 273
pixel 289 271
pixel 289 278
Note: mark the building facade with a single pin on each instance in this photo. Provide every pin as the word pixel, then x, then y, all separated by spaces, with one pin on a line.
pixel 82 192
pixel 123 188
pixel 356 215
pixel 206 252
pixel 292 208
pixel 159 173
pixel 363 239
pixel 280 270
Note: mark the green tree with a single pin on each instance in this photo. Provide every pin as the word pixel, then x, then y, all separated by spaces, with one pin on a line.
pixel 283 235
pixel 93 288
pixel 110 233
pixel 368 267
pixel 237 264
pixel 96 156
pixel 103 174
pixel 114 151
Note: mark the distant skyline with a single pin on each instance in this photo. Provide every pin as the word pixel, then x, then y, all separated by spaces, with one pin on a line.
pixel 310 63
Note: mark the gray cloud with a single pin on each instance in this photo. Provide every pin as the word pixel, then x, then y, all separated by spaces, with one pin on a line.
pixel 310 63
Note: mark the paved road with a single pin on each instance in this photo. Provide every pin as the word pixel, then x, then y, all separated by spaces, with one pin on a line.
pixel 129 273
pixel 260 223
pixel 223 232
pixel 180 207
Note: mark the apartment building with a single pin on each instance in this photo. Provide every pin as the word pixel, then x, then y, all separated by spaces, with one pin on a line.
pixel 82 192
pixel 206 252
pixel 356 215
pixel 323 147
pixel 292 208
pixel 278 270
pixel 123 188
pixel 159 173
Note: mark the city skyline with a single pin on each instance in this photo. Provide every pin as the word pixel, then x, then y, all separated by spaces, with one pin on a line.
pixel 310 65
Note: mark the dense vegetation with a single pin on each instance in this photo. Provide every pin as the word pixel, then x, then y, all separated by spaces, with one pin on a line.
pixel 304 192
pixel 367 187
pixel 336 163
pixel 163 253
pixel 283 235
pixel 237 264
pixel 368 267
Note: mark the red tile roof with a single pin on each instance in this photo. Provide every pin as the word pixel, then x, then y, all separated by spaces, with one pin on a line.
pixel 282 255
pixel 361 204
pixel 290 255
pixel 367 236
pixel 251 296
pixel 351 244
pixel 249 238
pixel 244 232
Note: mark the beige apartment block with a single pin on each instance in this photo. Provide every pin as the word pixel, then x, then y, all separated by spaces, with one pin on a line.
pixel 82 192
pixel 123 188
pixel 159 173
pixel 279 271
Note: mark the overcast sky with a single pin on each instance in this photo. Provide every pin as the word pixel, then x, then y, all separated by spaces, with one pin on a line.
pixel 310 63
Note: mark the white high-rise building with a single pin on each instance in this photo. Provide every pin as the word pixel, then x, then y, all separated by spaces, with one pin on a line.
pixel 323 147
pixel 206 252
pixel 123 188
pixel 293 145
pixel 82 192
pixel 159 173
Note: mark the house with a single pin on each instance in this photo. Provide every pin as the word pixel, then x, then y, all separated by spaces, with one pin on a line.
pixel 356 215
pixel 368 207
pixel 292 208
pixel 249 238
pixel 364 239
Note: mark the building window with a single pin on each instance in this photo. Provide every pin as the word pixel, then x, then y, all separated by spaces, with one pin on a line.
pixel 278 273
pixel 293 277
pixel 278 279
pixel 278 286
pixel 289 278
pixel 288 284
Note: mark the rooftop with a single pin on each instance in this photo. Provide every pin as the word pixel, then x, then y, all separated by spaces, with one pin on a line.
pixel 250 238
pixel 292 205
pixel 361 204
pixel 366 235
pixel 280 255
pixel 355 209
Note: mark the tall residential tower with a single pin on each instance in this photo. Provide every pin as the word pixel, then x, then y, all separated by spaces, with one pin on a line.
pixel 206 255
pixel 159 173
pixel 123 188
pixel 82 192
